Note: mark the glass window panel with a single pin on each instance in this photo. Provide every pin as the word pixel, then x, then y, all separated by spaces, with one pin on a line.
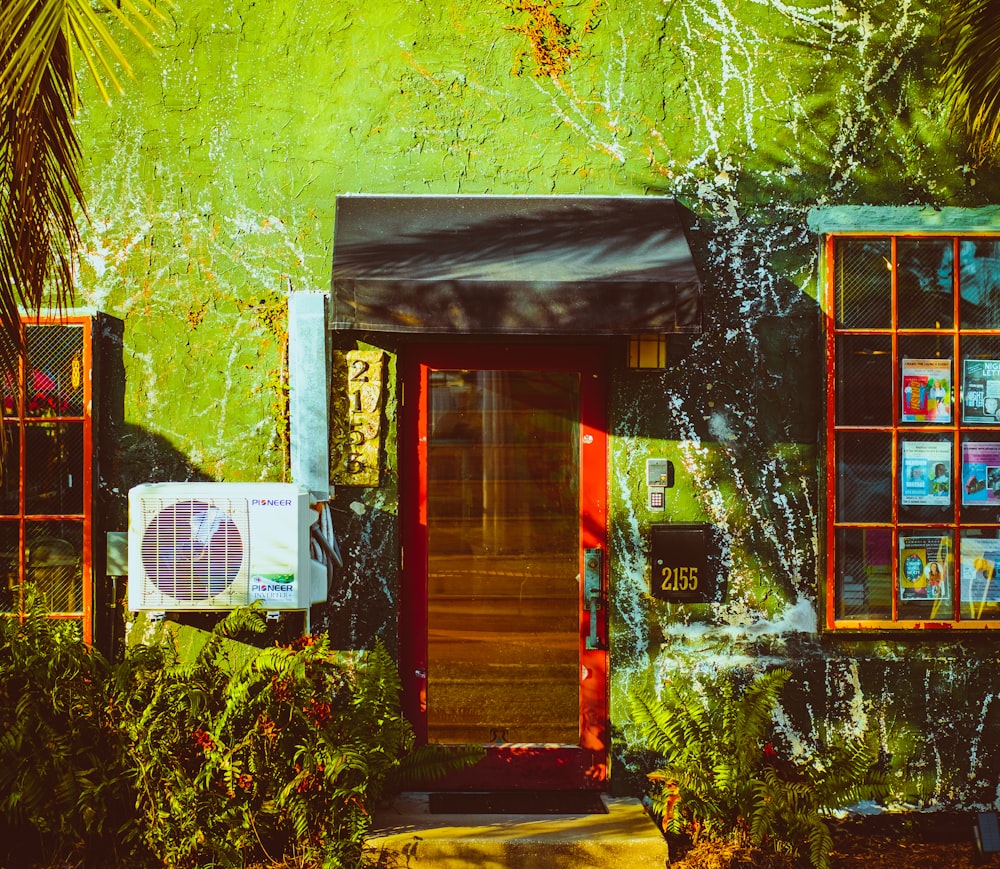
pixel 926 478
pixel 503 557
pixel 10 471
pixel 864 477
pixel 926 569
pixel 864 380
pixel 54 375
pixel 864 573
pixel 53 463
pixel 10 547
pixel 926 379
pixel 863 283
pixel 924 283
pixel 979 574
pixel 979 373
pixel 980 477
pixel 979 282
pixel 53 555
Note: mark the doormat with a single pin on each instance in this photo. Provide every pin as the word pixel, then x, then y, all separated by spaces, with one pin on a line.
pixel 518 803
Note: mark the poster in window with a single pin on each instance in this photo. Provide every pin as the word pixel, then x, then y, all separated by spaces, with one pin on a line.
pixel 926 473
pixel 924 567
pixel 978 570
pixel 926 390
pixel 981 474
pixel 981 390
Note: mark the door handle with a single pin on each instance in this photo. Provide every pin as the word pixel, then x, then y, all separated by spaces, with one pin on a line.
pixel 593 598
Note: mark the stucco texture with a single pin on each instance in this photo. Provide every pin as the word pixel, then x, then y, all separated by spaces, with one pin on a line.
pixel 212 183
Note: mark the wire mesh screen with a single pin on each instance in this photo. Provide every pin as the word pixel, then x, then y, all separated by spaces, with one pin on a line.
pixel 54 376
pixel 53 564
pixel 863 283
pixel 925 283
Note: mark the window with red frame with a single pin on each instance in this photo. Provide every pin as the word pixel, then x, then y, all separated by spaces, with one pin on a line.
pixel 913 431
pixel 46 511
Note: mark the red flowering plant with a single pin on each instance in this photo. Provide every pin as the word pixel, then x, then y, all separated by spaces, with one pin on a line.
pixel 267 755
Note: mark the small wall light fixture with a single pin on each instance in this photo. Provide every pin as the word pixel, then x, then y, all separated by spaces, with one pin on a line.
pixel 647 350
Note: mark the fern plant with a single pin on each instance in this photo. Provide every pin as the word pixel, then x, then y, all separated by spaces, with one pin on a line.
pixel 64 786
pixel 275 755
pixel 723 778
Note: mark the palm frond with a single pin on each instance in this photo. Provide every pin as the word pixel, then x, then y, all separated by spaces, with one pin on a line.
pixel 40 191
pixel 970 35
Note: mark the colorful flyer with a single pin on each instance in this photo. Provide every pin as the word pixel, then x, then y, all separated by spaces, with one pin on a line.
pixel 978 565
pixel 980 473
pixel 926 390
pixel 924 567
pixel 981 391
pixel 926 473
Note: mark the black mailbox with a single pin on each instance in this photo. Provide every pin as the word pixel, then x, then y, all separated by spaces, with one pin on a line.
pixel 685 567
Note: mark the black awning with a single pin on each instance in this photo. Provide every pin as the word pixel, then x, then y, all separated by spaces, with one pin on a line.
pixel 513 265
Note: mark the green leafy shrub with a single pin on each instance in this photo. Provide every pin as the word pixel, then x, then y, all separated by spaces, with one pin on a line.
pixel 64 783
pixel 724 777
pixel 276 757
pixel 242 756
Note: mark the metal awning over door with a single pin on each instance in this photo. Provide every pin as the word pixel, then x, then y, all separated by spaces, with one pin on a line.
pixel 513 265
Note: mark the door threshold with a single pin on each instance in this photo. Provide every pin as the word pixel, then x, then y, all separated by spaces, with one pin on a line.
pixel 528 802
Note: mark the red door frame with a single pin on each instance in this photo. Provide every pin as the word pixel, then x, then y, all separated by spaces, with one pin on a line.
pixel 511 766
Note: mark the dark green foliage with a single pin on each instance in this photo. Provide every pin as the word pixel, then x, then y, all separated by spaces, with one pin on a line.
pixel 241 756
pixel 277 757
pixel 64 781
pixel 725 778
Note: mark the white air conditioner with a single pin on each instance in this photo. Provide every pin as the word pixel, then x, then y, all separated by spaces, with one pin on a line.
pixel 218 546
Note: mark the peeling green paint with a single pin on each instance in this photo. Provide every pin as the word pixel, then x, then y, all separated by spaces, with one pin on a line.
pixel 211 188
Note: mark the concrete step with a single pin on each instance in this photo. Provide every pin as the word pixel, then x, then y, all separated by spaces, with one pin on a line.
pixel 406 835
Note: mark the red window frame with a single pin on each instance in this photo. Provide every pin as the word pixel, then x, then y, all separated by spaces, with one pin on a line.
pixel 958 521
pixel 35 401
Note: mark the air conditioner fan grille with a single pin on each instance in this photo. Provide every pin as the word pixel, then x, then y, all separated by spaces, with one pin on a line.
pixel 193 550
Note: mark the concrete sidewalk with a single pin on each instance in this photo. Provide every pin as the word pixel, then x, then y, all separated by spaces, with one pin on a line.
pixel 406 836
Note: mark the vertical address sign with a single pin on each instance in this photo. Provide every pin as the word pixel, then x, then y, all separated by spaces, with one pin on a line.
pixel 360 465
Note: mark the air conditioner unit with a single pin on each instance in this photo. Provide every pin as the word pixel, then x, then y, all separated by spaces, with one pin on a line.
pixel 218 546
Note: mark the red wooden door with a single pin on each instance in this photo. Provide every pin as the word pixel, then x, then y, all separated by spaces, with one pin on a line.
pixel 503 621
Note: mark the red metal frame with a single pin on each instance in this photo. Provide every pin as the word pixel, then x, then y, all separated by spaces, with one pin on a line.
pixel 956 333
pixel 86 518
pixel 507 766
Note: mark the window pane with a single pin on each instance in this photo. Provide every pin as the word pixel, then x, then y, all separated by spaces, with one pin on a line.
pixel 980 381
pixel 924 283
pixel 10 471
pixel 503 562
pixel 54 377
pixel 53 461
pixel 864 380
pixel 863 283
pixel 925 479
pixel 979 282
pixel 980 477
pixel 926 379
pixel 926 574
pixel 864 477
pixel 10 547
pixel 864 573
pixel 53 557
pixel 979 573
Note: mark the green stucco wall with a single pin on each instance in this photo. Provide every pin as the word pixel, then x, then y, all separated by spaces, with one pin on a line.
pixel 212 184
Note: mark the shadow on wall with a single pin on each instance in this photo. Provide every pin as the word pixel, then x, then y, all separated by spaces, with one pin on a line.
pixel 363 603
pixel 127 453
pixel 742 401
